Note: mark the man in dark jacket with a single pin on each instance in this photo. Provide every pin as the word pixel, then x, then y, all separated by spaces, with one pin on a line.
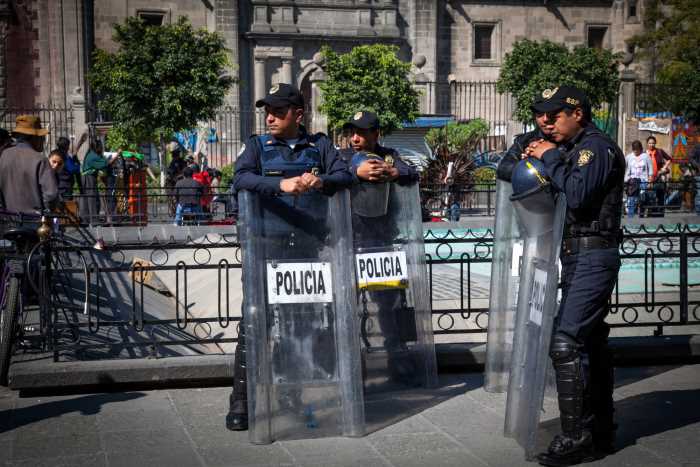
pixel 27 183
pixel 188 193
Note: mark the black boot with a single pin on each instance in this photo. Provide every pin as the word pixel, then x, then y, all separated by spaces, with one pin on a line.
pixel 237 417
pixel 602 382
pixel 575 445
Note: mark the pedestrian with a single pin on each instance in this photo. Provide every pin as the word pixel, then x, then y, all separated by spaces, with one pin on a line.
pixel 661 163
pixel 638 175
pixel 374 167
pixel 69 176
pixel 188 193
pixel 56 162
pixel 591 175
pixel 93 164
pixel 688 187
pixel 285 160
pixel 203 177
pixel 27 183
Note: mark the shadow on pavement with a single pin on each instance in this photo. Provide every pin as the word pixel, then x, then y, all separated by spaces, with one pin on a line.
pixel 85 405
pixel 654 413
pixel 381 412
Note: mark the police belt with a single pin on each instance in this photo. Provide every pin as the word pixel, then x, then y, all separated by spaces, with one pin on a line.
pixel 572 246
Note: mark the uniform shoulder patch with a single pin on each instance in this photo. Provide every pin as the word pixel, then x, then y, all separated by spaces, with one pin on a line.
pixel 585 156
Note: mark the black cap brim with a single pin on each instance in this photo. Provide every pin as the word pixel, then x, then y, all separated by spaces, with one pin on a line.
pixel 548 106
pixel 361 126
pixel 273 101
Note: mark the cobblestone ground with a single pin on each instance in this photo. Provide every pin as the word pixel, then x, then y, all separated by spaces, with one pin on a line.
pixel 657 408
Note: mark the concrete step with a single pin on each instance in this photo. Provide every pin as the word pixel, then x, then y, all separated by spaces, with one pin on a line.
pixel 40 372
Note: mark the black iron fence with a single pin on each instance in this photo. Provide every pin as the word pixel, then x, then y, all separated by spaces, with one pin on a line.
pixel 155 205
pixel 655 98
pixel 144 296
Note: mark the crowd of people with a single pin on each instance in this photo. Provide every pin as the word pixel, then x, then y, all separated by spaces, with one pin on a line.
pixel 108 187
pixel 648 184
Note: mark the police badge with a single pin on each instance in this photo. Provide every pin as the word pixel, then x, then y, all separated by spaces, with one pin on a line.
pixel 584 157
pixel 548 93
pixel 389 160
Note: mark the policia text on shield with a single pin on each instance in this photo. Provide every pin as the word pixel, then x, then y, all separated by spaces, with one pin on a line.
pixel 313 360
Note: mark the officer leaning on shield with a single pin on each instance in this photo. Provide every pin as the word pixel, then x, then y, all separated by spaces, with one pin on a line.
pixel 581 163
pixel 309 373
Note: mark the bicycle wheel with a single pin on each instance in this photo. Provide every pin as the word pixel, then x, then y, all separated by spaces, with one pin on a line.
pixel 8 320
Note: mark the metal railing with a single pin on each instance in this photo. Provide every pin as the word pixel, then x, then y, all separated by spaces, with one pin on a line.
pixel 656 291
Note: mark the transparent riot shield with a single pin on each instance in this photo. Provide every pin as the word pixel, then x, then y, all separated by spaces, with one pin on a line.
pixel 398 353
pixel 303 355
pixel 505 280
pixel 541 221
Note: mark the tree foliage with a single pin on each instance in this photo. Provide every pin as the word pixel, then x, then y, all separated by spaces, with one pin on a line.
pixel 457 143
pixel 162 79
pixel 532 67
pixel 671 39
pixel 370 77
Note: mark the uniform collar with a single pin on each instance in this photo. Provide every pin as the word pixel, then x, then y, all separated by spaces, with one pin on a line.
pixel 303 138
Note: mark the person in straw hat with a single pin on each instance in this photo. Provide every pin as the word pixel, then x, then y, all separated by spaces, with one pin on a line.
pixel 27 183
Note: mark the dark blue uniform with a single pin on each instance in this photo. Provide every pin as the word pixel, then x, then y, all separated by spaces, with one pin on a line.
pixel 260 168
pixel 250 175
pixel 589 169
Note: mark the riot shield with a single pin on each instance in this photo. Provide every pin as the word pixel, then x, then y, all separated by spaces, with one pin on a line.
pixel 304 372
pixel 505 280
pixel 541 218
pixel 398 352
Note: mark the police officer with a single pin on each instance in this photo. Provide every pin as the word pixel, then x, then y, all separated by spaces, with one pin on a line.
pixel 285 160
pixel 505 167
pixel 589 168
pixel 373 166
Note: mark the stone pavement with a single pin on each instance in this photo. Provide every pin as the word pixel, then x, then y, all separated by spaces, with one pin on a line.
pixel 658 411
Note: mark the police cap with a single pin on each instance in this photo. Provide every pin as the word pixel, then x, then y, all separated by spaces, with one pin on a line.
pixel 281 95
pixel 562 97
pixel 364 120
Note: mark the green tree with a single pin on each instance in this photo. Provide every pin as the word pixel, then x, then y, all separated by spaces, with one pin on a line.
pixel 456 143
pixel 671 41
pixel 162 79
pixel 532 67
pixel 370 77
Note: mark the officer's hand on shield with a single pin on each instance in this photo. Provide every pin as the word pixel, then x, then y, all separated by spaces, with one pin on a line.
pixel 537 148
pixel 373 170
pixel 293 185
pixel 311 181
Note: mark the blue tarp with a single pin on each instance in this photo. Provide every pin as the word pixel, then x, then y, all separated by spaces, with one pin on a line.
pixel 429 122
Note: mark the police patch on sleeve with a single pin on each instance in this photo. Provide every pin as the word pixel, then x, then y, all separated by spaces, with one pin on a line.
pixel 585 156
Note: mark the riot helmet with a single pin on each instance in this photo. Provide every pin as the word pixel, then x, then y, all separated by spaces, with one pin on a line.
pixel 533 197
pixel 369 199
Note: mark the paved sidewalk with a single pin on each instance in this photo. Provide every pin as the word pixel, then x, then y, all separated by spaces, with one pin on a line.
pixel 658 410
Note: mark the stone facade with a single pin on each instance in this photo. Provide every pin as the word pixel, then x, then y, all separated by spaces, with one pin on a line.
pixel 49 42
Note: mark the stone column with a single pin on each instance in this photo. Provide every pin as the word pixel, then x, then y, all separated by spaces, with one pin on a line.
pixel 259 81
pixel 628 78
pixel 319 122
pixel 259 78
pixel 287 71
